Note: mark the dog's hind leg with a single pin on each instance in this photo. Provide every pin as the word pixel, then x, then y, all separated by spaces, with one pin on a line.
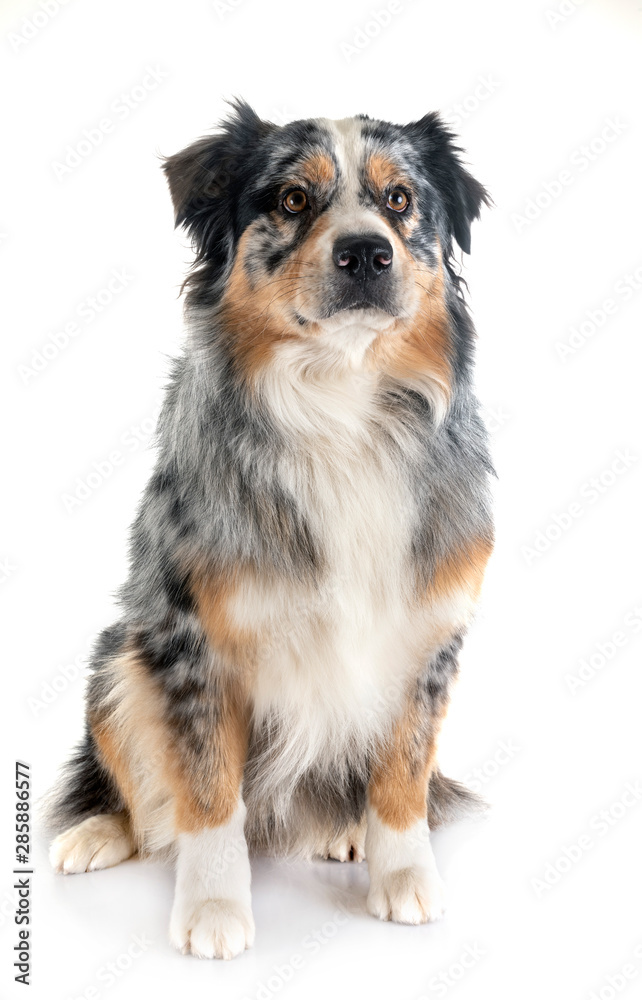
pixel 97 842
pixel 348 845
pixel 87 804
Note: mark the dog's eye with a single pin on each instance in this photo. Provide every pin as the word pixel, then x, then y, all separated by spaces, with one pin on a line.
pixel 398 200
pixel 295 201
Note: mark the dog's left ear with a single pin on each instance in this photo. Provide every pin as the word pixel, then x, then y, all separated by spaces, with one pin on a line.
pixel 463 196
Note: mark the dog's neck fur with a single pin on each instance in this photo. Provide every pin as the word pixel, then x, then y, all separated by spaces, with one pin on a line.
pixel 328 384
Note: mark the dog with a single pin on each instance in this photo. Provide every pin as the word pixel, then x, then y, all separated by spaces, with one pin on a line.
pixel 311 545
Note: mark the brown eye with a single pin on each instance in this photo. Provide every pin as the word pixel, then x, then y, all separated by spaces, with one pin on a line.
pixel 295 201
pixel 398 200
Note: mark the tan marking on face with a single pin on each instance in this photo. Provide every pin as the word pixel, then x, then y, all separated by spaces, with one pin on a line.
pixel 254 311
pixel 310 251
pixel 318 169
pixel 306 267
pixel 259 310
pixel 381 172
pixel 398 786
pixel 419 345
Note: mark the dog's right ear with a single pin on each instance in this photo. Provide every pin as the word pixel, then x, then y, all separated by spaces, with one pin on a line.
pixel 204 178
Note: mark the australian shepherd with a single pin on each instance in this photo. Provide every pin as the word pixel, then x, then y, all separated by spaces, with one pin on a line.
pixel 310 547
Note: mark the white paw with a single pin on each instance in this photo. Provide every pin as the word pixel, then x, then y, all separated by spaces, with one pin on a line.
pixel 412 895
pixel 97 842
pixel 350 846
pixel 215 928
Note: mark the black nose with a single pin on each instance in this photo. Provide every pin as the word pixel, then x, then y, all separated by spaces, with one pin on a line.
pixel 362 257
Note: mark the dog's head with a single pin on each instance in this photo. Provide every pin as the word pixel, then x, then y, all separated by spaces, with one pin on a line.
pixel 339 231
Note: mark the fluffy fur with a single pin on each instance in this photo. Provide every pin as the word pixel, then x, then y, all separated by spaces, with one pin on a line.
pixel 311 545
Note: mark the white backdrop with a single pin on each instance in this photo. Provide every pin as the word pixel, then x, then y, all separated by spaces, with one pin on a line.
pixel 544 893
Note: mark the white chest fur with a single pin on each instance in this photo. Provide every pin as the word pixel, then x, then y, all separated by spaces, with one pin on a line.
pixel 337 658
pixel 334 669
pixel 333 664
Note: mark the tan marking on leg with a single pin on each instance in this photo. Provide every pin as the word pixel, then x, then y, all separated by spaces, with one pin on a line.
pixel 173 781
pixel 207 791
pixel 133 741
pixel 114 760
pixel 398 787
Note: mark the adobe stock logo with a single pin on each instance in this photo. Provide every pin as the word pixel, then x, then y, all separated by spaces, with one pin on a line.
pixel 605 651
pixel 7 569
pixel 599 826
pixel 120 109
pixel 133 439
pixel 558 15
pixel 479 776
pixel 109 975
pixel 371 29
pixel 597 318
pixel 86 312
pixel 439 985
pixel 225 7
pixel 467 106
pixel 590 493
pixel 59 683
pixel 32 26
pixel 580 160
pixel 615 982
pixel 310 945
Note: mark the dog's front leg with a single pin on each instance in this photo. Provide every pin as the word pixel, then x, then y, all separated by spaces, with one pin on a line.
pixel 212 916
pixel 404 883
